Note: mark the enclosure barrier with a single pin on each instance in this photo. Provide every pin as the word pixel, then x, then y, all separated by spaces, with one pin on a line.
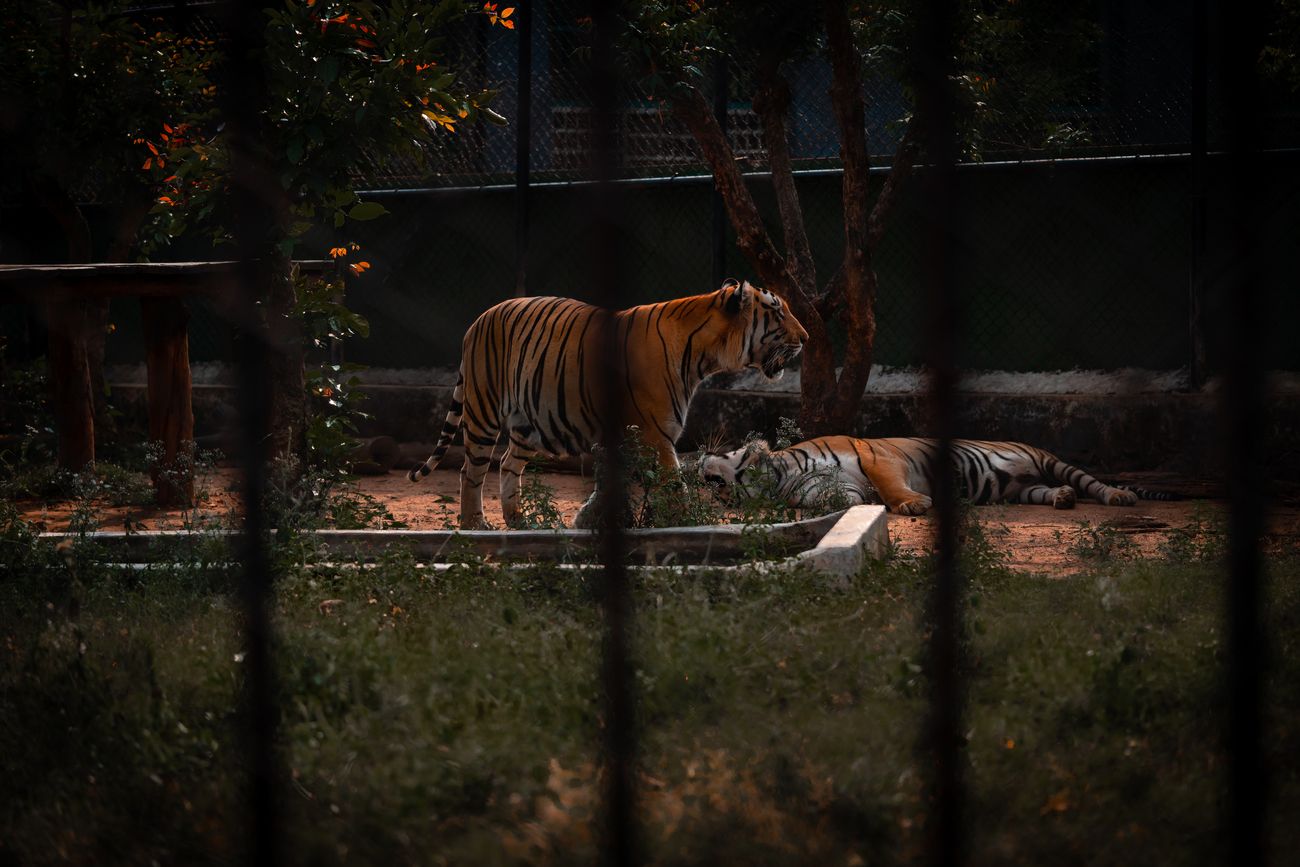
pixel 942 746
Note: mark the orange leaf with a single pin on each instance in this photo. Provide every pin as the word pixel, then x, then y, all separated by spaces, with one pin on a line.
pixel 148 164
pixel 153 150
pixel 358 267
pixel 509 25
pixel 507 12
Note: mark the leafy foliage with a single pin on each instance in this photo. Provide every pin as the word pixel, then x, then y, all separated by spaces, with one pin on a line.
pixel 93 94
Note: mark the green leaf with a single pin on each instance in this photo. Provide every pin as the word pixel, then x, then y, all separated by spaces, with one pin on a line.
pixel 295 150
pixel 494 116
pixel 366 211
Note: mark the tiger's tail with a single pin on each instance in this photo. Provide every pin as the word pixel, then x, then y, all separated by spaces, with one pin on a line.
pixel 1145 494
pixel 449 427
pixel 1090 486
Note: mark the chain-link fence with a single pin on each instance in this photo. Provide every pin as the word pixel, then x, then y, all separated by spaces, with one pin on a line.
pixel 1082 256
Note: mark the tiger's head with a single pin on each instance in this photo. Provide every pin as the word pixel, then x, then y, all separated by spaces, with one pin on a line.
pixel 725 470
pixel 761 331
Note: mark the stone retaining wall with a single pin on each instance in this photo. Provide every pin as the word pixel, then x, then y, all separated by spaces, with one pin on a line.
pixel 1175 432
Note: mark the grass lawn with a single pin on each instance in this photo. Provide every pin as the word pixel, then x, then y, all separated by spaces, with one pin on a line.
pixel 454 717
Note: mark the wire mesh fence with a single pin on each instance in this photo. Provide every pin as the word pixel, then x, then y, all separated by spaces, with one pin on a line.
pixel 1081 257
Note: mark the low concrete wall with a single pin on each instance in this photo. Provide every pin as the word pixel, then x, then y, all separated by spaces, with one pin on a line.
pixel 1105 433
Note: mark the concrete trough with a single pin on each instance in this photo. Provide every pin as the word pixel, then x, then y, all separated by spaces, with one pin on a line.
pixel 837 544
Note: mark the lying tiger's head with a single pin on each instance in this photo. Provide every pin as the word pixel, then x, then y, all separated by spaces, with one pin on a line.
pixel 727 469
pixel 761 332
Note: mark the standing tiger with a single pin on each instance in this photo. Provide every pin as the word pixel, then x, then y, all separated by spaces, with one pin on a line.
pixel 534 368
pixel 897 471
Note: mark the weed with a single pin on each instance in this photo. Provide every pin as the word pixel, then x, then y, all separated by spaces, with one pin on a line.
pixel 1098 542
pixel 537 508
pixel 1202 539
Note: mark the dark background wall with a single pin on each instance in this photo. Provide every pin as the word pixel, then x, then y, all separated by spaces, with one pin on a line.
pixel 1069 264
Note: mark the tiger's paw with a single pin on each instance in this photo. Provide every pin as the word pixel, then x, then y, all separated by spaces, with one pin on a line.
pixel 474 522
pixel 1120 497
pixel 1063 498
pixel 918 505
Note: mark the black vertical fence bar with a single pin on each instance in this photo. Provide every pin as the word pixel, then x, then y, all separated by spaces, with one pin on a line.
pixel 251 185
pixel 718 227
pixel 1196 361
pixel 1239 28
pixel 523 144
pixel 943 746
pixel 616 669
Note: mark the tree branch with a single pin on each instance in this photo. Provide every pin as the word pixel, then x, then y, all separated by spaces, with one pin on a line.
pixel 751 235
pixel 772 104
pixel 858 276
pixel 899 171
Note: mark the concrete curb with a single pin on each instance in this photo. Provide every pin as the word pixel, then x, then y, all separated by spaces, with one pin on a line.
pixel 862 533
pixel 842 545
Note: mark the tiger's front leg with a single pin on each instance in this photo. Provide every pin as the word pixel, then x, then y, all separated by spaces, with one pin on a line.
pixel 588 516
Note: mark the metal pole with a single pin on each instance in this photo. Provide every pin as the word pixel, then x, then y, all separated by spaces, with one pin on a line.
pixel 1243 408
pixel 943 747
pixel 245 98
pixel 721 88
pixel 523 145
pixel 1196 288
pixel 616 673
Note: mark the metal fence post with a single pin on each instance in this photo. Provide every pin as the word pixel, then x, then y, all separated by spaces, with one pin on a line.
pixel 1196 289
pixel 616 671
pixel 523 145
pixel 943 746
pixel 1240 30
pixel 245 93
pixel 718 226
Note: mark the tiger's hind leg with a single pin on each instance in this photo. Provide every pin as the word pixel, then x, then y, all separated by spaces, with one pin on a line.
pixel 478 456
pixel 1062 497
pixel 513 465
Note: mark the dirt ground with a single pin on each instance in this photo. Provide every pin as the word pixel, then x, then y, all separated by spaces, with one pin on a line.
pixel 1035 538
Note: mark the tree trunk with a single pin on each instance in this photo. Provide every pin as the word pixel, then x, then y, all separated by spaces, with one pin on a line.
pixel 74 406
pixel 171 412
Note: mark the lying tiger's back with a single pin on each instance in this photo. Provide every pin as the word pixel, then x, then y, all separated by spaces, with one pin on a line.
pixel 900 472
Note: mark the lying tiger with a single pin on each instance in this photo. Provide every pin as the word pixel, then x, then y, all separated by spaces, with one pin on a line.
pixel 896 471
pixel 534 368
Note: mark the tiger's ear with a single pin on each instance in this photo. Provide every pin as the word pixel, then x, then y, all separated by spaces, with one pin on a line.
pixel 737 296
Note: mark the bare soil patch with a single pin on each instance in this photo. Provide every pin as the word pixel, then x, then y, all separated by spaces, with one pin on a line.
pixel 1034 538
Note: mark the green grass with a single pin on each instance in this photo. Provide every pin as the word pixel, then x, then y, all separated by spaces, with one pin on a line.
pixel 454 717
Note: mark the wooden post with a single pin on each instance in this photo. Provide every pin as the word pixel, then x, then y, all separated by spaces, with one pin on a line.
pixel 74 404
pixel 171 408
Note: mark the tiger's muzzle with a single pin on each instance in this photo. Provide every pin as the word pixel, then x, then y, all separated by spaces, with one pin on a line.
pixel 777 357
